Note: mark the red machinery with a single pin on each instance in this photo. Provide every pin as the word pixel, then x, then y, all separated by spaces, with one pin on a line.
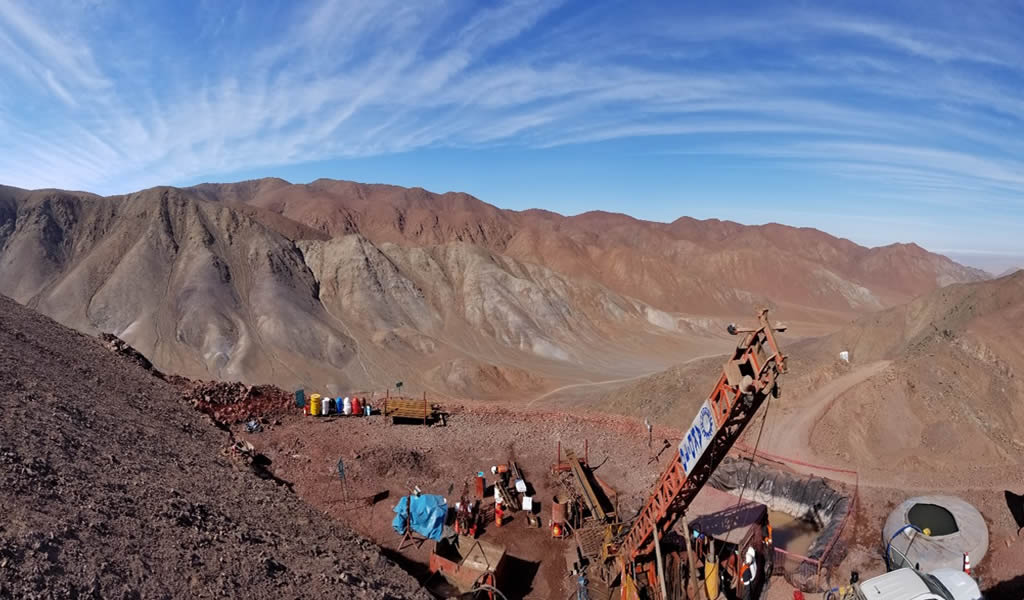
pixel 747 379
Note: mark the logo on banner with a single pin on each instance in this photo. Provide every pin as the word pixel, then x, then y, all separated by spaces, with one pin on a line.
pixel 697 438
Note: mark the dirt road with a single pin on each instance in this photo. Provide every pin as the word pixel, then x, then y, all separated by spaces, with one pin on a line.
pixel 791 421
pixel 586 384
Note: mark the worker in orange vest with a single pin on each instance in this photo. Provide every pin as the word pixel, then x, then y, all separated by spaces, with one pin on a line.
pixel 769 550
pixel 497 514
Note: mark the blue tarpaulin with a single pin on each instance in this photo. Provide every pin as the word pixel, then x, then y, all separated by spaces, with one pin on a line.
pixel 427 512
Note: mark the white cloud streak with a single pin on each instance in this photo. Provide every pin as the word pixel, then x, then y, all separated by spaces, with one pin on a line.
pixel 72 61
pixel 851 97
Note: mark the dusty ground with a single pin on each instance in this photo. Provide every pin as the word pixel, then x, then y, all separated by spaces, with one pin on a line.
pixel 395 458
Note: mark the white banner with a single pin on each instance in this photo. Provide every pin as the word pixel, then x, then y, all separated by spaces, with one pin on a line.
pixel 697 438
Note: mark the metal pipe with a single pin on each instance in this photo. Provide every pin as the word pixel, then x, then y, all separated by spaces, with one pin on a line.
pixel 692 586
pixel 661 565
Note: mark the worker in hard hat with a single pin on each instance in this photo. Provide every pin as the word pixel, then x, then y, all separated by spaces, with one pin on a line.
pixel 748 573
pixel 501 473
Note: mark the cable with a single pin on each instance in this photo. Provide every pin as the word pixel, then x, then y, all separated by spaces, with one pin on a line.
pixel 757 442
pixel 483 587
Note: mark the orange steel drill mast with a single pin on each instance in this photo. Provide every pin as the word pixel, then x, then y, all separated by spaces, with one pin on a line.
pixel 747 379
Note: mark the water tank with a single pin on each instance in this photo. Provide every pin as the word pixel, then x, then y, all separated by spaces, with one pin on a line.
pixel 933 532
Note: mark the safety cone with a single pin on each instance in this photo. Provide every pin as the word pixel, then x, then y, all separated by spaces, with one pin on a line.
pixel 967 563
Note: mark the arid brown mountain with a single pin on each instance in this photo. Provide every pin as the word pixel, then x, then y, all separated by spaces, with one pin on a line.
pixel 112 486
pixel 931 386
pixel 198 287
pixel 953 387
pixel 689 266
pixel 354 286
pixel 206 290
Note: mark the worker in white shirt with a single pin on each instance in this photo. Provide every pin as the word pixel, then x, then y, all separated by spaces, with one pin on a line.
pixel 748 574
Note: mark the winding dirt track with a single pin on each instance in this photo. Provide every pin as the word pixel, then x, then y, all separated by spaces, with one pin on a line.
pixel 788 432
pixel 611 381
pixel 791 422
pixel 587 384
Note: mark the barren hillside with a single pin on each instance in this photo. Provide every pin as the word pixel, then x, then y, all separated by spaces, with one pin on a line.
pixel 198 287
pixel 703 267
pixel 207 290
pixel 930 385
pixel 352 286
pixel 953 387
pixel 112 487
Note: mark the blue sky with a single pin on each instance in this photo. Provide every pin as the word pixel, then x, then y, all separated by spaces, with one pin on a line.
pixel 880 122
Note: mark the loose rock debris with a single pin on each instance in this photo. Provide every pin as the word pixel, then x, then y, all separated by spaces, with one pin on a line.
pixel 112 487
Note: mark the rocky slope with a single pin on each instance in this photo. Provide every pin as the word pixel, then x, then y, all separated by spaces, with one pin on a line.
pixel 953 389
pixel 196 286
pixel 705 267
pixel 111 486
pixel 347 286
pixel 208 290
pixel 942 385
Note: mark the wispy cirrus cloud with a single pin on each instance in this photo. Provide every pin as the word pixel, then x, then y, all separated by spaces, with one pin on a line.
pixel 33 43
pixel 130 96
pixel 939 46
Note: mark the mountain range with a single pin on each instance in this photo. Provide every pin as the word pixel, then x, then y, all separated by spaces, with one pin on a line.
pixel 347 286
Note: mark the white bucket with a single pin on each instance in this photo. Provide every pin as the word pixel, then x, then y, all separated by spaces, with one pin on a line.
pixel 346 405
pixel 844 356
pixel 520 486
pixel 528 503
pixel 325 406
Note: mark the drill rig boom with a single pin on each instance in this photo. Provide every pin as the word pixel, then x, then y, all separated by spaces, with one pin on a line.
pixel 746 380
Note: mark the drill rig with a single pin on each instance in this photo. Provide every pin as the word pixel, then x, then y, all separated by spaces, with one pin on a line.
pixel 747 378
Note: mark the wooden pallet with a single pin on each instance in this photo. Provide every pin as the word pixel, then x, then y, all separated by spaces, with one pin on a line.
pixel 406 408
